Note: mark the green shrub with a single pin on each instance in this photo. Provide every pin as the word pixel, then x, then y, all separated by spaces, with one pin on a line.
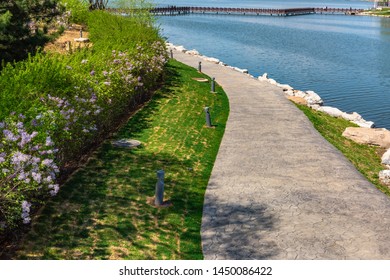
pixel 53 107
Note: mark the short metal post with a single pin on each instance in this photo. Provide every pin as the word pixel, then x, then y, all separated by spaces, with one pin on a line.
pixel 200 66
pixel 213 84
pixel 171 54
pixel 208 118
pixel 81 33
pixel 159 197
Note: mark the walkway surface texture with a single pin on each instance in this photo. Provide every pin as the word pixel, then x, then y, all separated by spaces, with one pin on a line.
pixel 278 190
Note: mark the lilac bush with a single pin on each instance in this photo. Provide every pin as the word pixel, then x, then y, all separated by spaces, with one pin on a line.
pixel 35 145
pixel 27 166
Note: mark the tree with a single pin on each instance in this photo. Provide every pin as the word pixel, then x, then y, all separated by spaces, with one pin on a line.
pixel 23 26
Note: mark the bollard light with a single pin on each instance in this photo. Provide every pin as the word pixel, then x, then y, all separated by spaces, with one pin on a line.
pixel 200 66
pixel 81 33
pixel 159 197
pixel 171 54
pixel 213 85
pixel 208 118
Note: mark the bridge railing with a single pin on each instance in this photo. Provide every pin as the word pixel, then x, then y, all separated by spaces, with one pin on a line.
pixel 177 10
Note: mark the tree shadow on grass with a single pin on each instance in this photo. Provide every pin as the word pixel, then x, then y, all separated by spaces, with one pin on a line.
pixel 104 208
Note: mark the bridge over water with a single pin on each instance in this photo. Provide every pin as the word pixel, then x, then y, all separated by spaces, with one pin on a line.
pixel 174 10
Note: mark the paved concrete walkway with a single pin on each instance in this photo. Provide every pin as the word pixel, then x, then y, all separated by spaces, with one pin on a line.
pixel 278 190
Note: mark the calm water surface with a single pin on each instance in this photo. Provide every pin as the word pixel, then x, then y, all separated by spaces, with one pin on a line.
pixel 345 59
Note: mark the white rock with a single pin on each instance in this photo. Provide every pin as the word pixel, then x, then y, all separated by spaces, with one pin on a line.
pixel 334 112
pixel 364 123
pixel 265 76
pixel 351 117
pixel 193 52
pixel 386 157
pixel 272 82
pixel 222 63
pixel 181 49
pixel 212 59
pixel 384 176
pixel 314 106
pixel 313 98
pixel 285 87
pixel 289 92
pixel 300 93
pixel 245 71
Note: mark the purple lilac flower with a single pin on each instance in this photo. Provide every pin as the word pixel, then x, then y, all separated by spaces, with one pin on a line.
pixel 36 176
pixel 22 176
pixel 55 188
pixel 47 162
pixel 34 122
pixel 19 158
pixel 26 212
pixel 2 157
pixel 105 73
pixel 49 142
pixel 48 179
pixel 92 73
pixel 9 135
pixel 2 124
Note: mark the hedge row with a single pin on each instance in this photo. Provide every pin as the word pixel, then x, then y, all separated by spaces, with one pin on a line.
pixel 52 107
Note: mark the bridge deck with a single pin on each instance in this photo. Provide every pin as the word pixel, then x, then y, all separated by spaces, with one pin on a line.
pixel 174 10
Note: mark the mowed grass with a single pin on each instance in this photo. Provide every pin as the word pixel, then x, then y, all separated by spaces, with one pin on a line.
pixel 102 212
pixel 367 159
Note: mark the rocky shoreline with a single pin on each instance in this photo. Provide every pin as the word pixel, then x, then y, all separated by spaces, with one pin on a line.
pixel 365 133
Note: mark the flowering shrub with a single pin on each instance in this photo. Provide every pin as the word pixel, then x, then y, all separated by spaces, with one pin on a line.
pixel 27 166
pixel 75 102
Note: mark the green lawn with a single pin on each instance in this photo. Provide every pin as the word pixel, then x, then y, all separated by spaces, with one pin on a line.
pixel 102 212
pixel 383 12
pixel 367 159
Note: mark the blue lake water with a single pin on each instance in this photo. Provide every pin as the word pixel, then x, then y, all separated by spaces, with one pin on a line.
pixel 345 59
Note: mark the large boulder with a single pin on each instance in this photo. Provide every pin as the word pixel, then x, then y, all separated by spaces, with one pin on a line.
pixel 313 98
pixel 384 176
pixel 300 93
pixel 364 123
pixel 386 157
pixel 331 111
pixel 370 136
pixel 351 116
pixel 286 87
pixel 297 100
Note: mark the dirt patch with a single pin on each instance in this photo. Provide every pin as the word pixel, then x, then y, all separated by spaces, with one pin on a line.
pixel 66 42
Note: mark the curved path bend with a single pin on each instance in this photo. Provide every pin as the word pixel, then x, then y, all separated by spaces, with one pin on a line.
pixel 279 190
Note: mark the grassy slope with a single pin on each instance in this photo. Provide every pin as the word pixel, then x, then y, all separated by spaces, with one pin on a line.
pixel 102 211
pixel 366 158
